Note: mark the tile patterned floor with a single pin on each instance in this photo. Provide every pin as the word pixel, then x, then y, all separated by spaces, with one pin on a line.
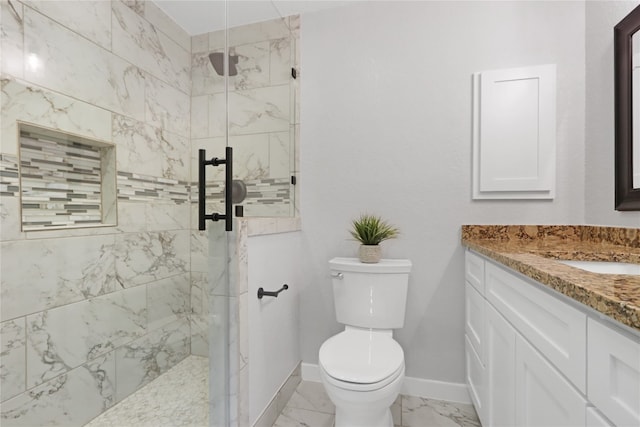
pixel 179 398
pixel 310 407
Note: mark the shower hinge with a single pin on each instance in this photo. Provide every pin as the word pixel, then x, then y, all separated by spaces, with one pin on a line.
pixel 293 180
pixel 294 73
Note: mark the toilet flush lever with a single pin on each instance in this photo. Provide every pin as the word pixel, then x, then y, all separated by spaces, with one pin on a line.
pixel 338 276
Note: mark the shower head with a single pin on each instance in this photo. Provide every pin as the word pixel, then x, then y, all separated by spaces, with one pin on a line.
pixel 217 60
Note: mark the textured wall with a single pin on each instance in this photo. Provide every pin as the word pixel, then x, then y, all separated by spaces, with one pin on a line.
pixel 386 128
pixel 601 17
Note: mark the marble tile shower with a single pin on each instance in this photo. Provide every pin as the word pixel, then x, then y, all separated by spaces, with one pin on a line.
pixel 90 315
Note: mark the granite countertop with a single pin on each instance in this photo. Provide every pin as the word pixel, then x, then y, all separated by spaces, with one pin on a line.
pixel 533 249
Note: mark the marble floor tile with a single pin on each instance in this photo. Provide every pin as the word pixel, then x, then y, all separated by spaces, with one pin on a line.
pixel 417 411
pixel 294 417
pixel 311 396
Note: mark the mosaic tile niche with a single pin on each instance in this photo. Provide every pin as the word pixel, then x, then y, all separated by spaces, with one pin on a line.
pixel 67 181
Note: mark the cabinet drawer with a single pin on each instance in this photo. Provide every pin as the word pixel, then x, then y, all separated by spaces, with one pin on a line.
pixel 474 318
pixel 474 271
pixel 475 378
pixel 556 329
pixel 614 374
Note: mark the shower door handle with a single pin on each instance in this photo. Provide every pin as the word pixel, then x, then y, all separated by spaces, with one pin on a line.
pixel 202 175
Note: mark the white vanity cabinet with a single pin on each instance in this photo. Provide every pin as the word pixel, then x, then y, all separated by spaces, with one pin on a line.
pixel 536 360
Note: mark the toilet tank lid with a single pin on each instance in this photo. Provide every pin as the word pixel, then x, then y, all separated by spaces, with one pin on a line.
pixel 384 266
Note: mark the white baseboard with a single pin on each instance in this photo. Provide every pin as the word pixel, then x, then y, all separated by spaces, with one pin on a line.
pixel 418 387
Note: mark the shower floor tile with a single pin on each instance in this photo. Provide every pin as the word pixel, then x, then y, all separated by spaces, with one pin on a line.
pixel 179 397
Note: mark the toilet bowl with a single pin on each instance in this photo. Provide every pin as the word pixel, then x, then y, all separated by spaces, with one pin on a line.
pixel 362 372
pixel 362 367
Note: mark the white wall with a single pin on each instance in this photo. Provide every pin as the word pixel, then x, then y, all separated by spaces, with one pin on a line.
pixel 274 345
pixel 601 17
pixel 386 128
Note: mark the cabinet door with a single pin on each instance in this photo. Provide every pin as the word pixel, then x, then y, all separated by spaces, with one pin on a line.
pixel 614 374
pixel 543 396
pixel 500 339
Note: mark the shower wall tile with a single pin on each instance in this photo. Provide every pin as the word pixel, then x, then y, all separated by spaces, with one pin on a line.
pixel 10 218
pixel 253 65
pixel 260 64
pixel 259 110
pixel 152 216
pixel 280 61
pixel 280 154
pixel 140 361
pixel 63 338
pixel 29 103
pixel 204 79
pixel 86 18
pixel 199 283
pixel 162 22
pixel 200 336
pixel 68 400
pixel 168 300
pixel 199 251
pixel 12 358
pixel 200 116
pixel 166 107
pixel 138 6
pixel 150 151
pixel 11 19
pixel 151 256
pixel 63 61
pixel 251 156
pixel 52 272
pixel 139 42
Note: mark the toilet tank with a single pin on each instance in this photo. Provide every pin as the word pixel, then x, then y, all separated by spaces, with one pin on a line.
pixel 370 295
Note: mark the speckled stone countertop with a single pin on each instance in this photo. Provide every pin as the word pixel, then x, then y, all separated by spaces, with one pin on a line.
pixel 532 249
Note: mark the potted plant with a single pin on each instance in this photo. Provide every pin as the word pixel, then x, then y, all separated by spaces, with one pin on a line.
pixel 371 230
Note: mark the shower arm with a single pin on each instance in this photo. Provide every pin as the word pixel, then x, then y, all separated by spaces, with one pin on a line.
pixel 228 188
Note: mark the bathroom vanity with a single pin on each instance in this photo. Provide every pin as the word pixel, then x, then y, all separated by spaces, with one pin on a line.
pixel 547 343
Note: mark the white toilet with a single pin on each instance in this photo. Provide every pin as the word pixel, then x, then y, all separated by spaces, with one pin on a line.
pixel 362 368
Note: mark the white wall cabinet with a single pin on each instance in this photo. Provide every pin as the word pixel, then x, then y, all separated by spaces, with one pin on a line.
pixel 528 364
pixel 514 133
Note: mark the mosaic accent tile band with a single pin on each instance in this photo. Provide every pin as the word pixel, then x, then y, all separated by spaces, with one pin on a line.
pixel 9 177
pixel 266 191
pixel 136 187
pixel 144 188
pixel 60 182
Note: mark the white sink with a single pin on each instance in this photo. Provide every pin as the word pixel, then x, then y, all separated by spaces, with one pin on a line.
pixel 604 267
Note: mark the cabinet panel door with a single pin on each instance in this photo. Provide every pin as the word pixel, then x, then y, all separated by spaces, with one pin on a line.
pixel 475 379
pixel 614 374
pixel 543 396
pixel 474 319
pixel 557 330
pixel 500 340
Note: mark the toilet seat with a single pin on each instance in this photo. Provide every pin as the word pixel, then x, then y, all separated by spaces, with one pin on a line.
pixel 361 360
